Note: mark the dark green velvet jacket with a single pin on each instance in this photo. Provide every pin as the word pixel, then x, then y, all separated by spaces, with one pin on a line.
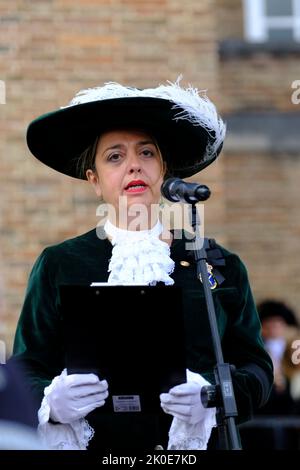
pixel 84 259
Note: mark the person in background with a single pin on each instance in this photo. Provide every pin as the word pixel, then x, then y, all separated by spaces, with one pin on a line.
pixel 18 417
pixel 279 325
pixel 126 142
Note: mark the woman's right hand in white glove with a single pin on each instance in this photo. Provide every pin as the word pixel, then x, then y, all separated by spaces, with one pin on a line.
pixel 74 396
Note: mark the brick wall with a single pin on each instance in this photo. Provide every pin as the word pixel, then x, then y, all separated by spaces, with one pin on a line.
pixel 48 51
pixel 252 80
pixel 259 82
pixel 229 17
pixel 262 220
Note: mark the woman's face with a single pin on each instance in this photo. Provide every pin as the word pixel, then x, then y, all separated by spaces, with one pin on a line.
pixel 128 163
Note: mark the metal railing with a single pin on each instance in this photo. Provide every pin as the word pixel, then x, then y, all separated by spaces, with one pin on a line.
pixel 278 432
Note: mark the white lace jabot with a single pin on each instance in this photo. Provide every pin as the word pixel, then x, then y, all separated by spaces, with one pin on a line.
pixel 139 257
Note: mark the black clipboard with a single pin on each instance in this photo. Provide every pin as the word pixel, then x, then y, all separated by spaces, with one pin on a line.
pixel 133 336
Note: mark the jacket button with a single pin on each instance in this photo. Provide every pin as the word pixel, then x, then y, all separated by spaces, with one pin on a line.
pixel 186 264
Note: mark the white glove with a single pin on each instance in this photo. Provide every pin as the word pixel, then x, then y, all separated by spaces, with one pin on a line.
pixel 71 397
pixel 184 402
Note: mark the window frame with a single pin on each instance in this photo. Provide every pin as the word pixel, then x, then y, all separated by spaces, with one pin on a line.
pixel 257 22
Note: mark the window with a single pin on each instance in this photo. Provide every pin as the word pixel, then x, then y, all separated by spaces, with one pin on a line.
pixel 272 20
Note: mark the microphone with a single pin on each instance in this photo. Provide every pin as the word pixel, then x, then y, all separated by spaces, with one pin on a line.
pixel 175 190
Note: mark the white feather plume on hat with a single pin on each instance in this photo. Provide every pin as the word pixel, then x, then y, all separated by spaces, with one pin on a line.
pixel 193 104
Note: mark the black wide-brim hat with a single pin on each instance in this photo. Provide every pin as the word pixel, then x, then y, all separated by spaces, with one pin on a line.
pixel 274 308
pixel 185 124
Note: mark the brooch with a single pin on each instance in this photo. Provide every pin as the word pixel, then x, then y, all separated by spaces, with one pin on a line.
pixel 211 279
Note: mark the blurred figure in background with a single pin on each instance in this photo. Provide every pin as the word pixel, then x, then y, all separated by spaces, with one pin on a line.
pixel 278 323
pixel 18 416
pixel 18 412
pixel 279 331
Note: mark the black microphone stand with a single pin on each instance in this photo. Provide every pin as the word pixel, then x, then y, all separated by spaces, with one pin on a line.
pixel 221 395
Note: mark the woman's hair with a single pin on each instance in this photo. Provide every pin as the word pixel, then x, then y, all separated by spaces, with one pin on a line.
pixel 86 160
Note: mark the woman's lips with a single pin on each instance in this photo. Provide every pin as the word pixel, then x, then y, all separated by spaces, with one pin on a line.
pixel 136 186
pixel 136 189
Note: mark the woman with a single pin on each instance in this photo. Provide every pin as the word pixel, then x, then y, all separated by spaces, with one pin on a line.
pixel 125 141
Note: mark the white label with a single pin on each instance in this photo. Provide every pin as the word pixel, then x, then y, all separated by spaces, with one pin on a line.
pixel 126 403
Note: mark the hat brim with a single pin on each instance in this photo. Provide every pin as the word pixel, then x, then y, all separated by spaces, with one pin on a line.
pixel 278 309
pixel 58 138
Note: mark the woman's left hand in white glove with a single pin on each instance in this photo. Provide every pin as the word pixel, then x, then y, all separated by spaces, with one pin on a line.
pixel 184 402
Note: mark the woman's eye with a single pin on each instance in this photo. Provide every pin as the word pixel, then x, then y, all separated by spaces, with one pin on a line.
pixel 114 157
pixel 148 153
